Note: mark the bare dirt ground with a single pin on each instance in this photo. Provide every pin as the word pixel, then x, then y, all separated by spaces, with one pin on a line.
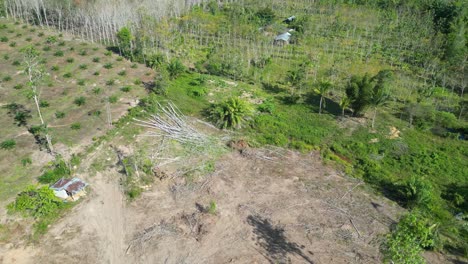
pixel 272 207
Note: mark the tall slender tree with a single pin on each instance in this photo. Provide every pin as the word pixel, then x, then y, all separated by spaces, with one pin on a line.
pixel 322 90
pixel 35 74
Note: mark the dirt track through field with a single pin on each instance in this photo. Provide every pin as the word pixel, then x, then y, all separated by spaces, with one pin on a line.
pixel 95 230
pixel 271 207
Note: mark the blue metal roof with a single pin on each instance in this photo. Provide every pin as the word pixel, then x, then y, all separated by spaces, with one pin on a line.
pixel 285 36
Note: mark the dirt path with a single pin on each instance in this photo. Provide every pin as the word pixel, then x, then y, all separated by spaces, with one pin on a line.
pixel 94 231
pixel 287 208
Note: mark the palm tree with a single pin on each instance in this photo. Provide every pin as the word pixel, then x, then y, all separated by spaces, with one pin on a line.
pixel 230 113
pixel 322 90
pixel 345 102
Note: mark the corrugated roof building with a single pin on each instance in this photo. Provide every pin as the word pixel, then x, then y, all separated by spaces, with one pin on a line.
pixel 283 38
pixel 68 188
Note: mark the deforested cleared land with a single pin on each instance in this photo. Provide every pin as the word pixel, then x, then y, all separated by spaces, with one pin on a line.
pixel 234 131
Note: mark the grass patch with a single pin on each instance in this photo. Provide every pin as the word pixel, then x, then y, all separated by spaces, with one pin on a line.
pixel 8 144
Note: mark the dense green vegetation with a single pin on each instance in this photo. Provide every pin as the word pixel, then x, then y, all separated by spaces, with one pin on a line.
pixel 39 203
pixel 410 237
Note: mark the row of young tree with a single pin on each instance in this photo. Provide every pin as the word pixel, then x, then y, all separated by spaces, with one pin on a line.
pixel 94 20
pixel 429 35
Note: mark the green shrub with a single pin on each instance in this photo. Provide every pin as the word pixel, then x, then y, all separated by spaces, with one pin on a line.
pixel 46 48
pixel 36 202
pixel 108 53
pixel 61 43
pixel 96 59
pixel 197 91
pixel 75 126
pixel 97 90
pixel 418 193
pixel 6 57
pixel 57 170
pixel 108 65
pixel 113 99
pixel 161 83
pixel 222 65
pixel 134 66
pixel 407 241
pixel 119 59
pixel 75 160
pixel 81 82
pixel 6 78
pixel 16 63
pixel 200 80
pixel 67 75
pixel 212 208
pixel 83 66
pixel 51 39
pixel 231 113
pixel 26 161
pixel 59 53
pixel 44 104
pixel 70 60
pixel 122 73
pixel 28 39
pixel 83 52
pixel 8 144
pixel 79 101
pixel 266 106
pixel 95 113
pixel 265 16
pixel 3 39
pixel 12 44
pixel 59 114
pixel 110 82
pixel 96 73
pixel 126 89
pixel 134 192
pixel 55 68
pixel 41 34
pixel 175 68
pixel 137 81
pixel 18 86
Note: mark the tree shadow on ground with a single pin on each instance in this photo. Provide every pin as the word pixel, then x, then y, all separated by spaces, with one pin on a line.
pixel 456 195
pixel 313 100
pixel 456 261
pixel 114 49
pixel 272 88
pixel 274 241
pixel 290 99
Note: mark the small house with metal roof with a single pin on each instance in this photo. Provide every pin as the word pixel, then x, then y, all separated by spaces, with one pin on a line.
pixel 283 38
pixel 69 188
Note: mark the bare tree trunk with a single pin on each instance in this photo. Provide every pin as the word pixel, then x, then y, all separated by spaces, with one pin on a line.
pixel 373 116
pixel 320 107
